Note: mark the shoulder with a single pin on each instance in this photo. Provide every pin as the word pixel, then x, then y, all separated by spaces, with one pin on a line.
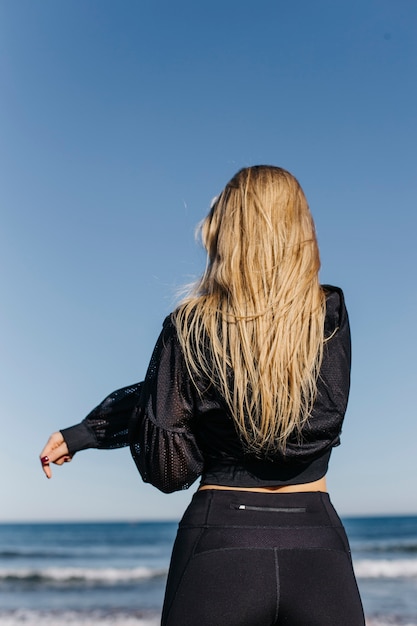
pixel 168 344
pixel 336 313
pixel 165 345
pixel 168 321
pixel 169 329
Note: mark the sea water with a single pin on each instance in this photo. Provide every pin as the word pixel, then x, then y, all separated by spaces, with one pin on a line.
pixel 384 551
pixel 90 574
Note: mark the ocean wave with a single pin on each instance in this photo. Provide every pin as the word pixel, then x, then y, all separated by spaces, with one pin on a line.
pixel 364 568
pixel 74 575
pixel 78 618
pixel 388 620
pixel 386 568
pixel 405 546
pixel 116 617
pixel 33 554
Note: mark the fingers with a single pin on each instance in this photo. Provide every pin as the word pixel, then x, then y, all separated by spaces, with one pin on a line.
pixel 55 451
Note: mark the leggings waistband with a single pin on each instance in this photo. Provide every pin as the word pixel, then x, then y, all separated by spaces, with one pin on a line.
pixel 302 509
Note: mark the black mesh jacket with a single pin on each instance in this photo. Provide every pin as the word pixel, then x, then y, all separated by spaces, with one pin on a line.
pixel 178 432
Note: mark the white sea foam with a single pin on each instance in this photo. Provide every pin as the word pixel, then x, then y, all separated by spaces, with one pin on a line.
pixel 386 568
pixel 77 618
pixel 72 574
pixel 120 618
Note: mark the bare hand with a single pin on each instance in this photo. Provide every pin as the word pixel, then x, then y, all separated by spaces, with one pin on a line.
pixel 55 451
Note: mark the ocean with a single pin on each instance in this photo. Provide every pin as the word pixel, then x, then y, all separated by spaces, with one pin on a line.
pixel 89 574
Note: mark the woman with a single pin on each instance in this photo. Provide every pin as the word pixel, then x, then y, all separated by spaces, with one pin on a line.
pixel 247 387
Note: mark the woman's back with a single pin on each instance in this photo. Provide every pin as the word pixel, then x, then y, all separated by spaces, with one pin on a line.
pixel 257 315
pixel 247 388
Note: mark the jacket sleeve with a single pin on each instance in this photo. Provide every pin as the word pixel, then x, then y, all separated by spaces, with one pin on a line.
pixel 162 437
pixel 107 426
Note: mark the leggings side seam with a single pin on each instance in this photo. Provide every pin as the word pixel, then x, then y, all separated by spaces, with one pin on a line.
pixel 277 582
pixel 338 528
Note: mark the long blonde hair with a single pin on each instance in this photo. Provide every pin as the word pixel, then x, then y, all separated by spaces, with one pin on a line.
pixel 253 325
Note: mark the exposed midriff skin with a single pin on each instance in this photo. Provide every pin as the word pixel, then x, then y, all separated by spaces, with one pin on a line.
pixel 317 485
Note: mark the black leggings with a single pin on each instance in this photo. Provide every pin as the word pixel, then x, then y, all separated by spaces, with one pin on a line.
pixel 261 559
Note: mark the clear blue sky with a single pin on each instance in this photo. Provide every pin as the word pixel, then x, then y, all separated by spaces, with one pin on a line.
pixel 119 122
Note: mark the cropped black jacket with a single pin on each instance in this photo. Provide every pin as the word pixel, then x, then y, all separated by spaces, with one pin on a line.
pixel 177 434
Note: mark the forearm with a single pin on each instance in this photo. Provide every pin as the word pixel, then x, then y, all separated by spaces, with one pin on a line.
pixel 107 426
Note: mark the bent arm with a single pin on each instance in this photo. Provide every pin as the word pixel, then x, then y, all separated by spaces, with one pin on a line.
pixel 162 433
pixel 107 426
pixel 156 418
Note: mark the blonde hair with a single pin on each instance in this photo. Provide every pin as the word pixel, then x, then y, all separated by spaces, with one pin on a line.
pixel 254 323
